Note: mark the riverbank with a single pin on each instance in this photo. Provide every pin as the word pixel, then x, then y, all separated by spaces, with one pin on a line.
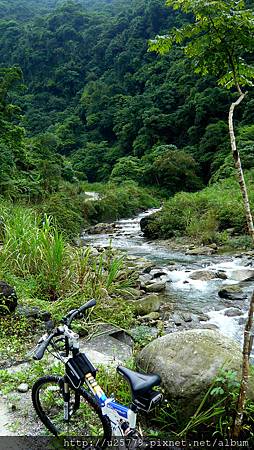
pixel 235 247
pixel 142 288
pixel 190 277
pixel 73 208
pixel 214 215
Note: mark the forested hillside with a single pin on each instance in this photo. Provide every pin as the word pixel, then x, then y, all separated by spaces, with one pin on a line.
pixel 116 117
pixel 91 92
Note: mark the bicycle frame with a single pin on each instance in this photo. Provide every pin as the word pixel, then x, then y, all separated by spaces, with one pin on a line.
pixel 117 414
pixel 80 371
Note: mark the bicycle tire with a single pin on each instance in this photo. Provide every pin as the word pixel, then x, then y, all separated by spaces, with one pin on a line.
pixel 89 400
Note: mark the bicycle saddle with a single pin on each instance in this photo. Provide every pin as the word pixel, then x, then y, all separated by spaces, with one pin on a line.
pixel 140 383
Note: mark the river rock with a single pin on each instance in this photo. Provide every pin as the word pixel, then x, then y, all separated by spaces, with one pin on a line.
pixel 245 274
pixel 233 292
pixel 101 228
pixel 150 317
pixel 222 275
pixel 177 319
pixel 187 317
pixel 188 361
pixel 23 388
pixel 33 312
pixel 200 251
pixel 156 287
pixel 203 317
pixel 94 251
pixel 157 273
pixel 232 312
pixel 132 294
pixel 242 320
pixel 148 304
pixel 8 298
pixel 112 346
pixel 202 275
pixel 144 279
pixel 148 268
pixel 209 326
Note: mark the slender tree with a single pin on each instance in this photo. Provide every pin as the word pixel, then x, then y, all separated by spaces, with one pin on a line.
pixel 217 40
pixel 247 346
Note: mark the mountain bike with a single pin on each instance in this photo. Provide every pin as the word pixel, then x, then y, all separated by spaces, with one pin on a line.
pixel 67 408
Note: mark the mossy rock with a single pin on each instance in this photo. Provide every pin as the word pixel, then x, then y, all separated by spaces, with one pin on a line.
pixel 232 292
pixel 132 294
pixel 146 305
pixel 188 362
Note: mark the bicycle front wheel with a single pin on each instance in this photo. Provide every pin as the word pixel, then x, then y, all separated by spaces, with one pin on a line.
pixel 87 420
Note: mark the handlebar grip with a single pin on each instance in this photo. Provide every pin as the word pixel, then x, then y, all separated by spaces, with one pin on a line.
pixel 76 312
pixel 87 305
pixel 41 350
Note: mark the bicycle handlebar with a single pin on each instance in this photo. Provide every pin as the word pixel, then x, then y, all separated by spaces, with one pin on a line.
pixel 67 321
pixel 72 314
pixel 42 348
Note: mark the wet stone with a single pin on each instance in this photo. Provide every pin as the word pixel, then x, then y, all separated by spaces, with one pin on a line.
pixel 156 287
pixel 232 312
pixel 23 388
pixel 187 317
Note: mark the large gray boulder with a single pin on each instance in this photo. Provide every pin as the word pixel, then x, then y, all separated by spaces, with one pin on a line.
pixel 188 361
pixel 101 228
pixel 158 286
pixel 111 346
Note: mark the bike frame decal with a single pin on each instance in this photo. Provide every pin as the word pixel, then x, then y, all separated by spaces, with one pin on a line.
pixel 112 409
pixel 96 389
pixel 120 409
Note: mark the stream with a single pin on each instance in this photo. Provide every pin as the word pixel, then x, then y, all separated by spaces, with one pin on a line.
pixel 188 295
pixel 185 295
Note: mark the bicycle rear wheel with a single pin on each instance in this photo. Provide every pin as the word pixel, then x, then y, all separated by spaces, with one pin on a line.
pixel 87 420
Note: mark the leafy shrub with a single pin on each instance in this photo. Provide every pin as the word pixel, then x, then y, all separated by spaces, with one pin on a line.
pixel 204 215
pixel 214 415
pixel 119 201
pixel 66 207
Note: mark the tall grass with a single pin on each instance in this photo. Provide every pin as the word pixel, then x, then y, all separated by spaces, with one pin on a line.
pixel 54 257
pixel 33 247
pixel 20 241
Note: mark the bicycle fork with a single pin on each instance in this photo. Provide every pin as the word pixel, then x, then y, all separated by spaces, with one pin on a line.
pixel 68 411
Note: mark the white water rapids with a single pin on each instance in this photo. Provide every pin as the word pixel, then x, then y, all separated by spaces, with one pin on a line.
pixel 187 294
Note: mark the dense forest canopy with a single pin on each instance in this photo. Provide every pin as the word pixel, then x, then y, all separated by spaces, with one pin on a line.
pixel 94 103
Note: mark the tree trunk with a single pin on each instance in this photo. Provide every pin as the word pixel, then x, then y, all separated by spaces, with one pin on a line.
pixel 238 166
pixel 247 344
